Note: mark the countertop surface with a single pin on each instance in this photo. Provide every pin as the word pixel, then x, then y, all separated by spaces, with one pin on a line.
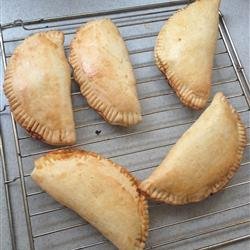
pixel 236 13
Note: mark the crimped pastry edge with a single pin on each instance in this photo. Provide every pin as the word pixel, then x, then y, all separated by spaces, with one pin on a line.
pixel 107 111
pixel 31 125
pixel 142 202
pixel 154 193
pixel 185 94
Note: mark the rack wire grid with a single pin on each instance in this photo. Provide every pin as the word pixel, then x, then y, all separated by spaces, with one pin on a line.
pixel 36 221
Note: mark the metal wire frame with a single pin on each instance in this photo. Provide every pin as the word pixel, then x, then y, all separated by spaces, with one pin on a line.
pixel 150 207
pixel 241 79
pixel 132 171
pixel 182 238
pixel 4 169
pixel 159 94
pixel 126 135
pixel 226 242
pixel 62 207
pixel 96 14
pixel 20 167
pixel 7 192
pixel 115 19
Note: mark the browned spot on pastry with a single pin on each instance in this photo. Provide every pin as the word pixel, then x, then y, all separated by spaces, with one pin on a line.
pixel 62 175
pixel 34 134
pixel 40 166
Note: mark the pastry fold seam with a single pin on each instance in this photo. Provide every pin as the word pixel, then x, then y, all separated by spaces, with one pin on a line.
pixel 187 96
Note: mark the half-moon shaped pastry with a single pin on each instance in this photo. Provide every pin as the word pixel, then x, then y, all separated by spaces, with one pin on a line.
pixel 185 49
pixel 103 70
pixel 100 191
pixel 203 160
pixel 37 85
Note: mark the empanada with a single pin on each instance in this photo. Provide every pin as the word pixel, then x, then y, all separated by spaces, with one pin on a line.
pixel 37 85
pixel 102 68
pixel 185 49
pixel 203 160
pixel 102 192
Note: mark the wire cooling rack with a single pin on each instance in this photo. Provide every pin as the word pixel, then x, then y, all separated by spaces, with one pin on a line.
pixel 36 221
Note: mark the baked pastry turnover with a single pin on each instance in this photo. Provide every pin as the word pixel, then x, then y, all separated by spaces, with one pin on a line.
pixel 102 68
pixel 185 49
pixel 203 160
pixel 37 85
pixel 102 192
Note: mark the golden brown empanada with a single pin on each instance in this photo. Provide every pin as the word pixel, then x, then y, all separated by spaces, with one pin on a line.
pixel 185 49
pixel 102 68
pixel 203 160
pixel 100 191
pixel 37 85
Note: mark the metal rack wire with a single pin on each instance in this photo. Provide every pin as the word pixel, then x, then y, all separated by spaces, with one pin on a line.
pixel 164 120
